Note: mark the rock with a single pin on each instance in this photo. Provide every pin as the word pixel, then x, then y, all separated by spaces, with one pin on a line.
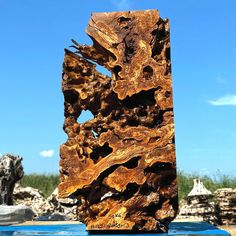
pixel 15 214
pixel 21 193
pixel 33 198
pixel 11 170
pixel 46 209
pixel 67 206
pixel 226 205
pixel 52 217
pixel 54 198
pixel 198 204
pixel 199 189
pixel 121 164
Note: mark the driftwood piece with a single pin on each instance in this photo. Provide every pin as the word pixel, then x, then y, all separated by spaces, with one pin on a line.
pixel 121 164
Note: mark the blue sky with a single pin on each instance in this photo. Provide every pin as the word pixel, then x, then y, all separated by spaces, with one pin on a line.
pixel 203 36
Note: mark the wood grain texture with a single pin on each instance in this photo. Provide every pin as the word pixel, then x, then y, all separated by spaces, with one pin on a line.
pixel 121 164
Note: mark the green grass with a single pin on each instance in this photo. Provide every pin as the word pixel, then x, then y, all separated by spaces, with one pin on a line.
pixel 47 183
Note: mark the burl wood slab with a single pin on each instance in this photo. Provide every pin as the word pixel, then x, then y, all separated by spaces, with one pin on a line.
pixel 121 164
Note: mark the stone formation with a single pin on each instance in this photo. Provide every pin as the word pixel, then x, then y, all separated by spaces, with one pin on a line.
pixel 121 164
pixel 226 205
pixel 11 171
pixel 199 204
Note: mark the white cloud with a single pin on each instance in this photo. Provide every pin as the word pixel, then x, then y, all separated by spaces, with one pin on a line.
pixel 227 100
pixel 121 4
pixel 47 153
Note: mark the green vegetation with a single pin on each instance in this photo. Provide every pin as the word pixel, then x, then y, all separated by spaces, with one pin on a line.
pixel 47 183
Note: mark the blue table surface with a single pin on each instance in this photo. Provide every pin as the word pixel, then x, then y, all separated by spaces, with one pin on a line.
pixel 175 228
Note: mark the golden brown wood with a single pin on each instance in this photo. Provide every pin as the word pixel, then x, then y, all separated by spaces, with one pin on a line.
pixel 121 164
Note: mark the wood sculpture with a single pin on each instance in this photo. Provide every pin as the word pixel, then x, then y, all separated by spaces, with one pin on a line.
pixel 121 164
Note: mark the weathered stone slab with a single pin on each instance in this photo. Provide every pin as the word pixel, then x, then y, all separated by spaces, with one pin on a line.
pixel 121 164
pixel 15 214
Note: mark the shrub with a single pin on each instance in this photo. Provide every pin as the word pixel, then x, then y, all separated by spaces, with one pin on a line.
pixel 44 182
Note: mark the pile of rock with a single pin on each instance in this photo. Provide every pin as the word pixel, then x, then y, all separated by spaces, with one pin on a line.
pixel 33 198
pixel 29 202
pixel 198 204
pixel 226 205
pixel 68 206
pixel 51 208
